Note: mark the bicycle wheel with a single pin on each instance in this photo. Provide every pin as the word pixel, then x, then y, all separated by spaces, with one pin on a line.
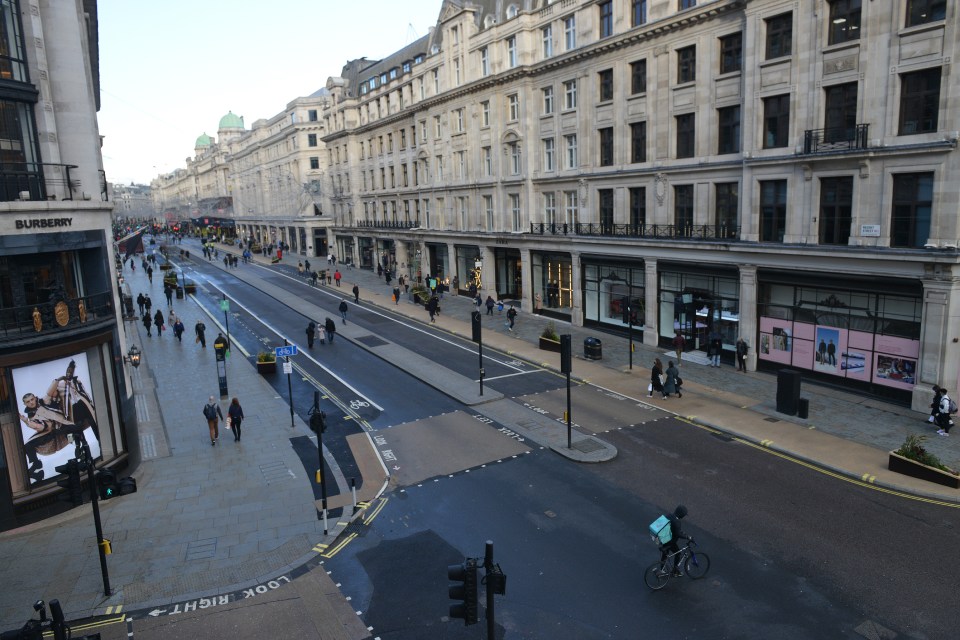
pixel 655 577
pixel 697 565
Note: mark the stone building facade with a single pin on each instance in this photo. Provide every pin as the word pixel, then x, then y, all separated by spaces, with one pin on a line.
pixel 781 171
pixel 62 377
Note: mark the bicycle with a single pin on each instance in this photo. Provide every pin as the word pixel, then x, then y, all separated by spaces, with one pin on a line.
pixel 695 564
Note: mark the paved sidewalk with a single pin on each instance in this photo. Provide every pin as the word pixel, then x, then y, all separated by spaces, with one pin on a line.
pixel 213 520
pixel 846 433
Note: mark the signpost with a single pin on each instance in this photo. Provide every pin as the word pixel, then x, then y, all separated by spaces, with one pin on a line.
pixel 286 351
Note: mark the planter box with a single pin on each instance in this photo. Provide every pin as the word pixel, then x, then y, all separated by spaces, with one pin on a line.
pixel 914 469
pixel 190 288
pixel 266 367
pixel 549 345
pixel 165 266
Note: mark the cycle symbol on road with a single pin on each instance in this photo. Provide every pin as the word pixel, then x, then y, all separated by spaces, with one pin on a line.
pixel 358 404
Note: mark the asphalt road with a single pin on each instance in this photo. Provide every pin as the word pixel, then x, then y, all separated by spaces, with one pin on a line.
pixel 797 553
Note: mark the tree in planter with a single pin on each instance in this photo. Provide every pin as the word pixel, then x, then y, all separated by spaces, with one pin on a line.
pixel 550 332
pixel 913 449
pixel 266 356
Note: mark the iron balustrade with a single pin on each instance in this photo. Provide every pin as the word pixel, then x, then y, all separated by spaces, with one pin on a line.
pixel 18 322
pixel 387 224
pixel 835 139
pixel 654 231
pixel 37 181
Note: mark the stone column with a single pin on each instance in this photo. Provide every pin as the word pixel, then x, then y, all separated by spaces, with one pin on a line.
pixel 526 278
pixel 403 259
pixel 651 316
pixel 576 310
pixel 489 270
pixel 451 261
pixel 748 311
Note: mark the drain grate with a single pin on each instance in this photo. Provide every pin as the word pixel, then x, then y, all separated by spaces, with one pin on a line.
pixel 371 341
pixel 587 445
pixel 772 419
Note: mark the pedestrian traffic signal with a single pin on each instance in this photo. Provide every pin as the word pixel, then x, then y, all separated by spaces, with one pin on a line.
pixel 475 323
pixel 70 482
pixel 465 592
pixel 106 484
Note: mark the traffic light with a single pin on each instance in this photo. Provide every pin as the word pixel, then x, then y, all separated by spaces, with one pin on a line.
pixel 107 484
pixel 466 592
pixel 71 482
pixel 318 421
pixel 126 486
pixel 566 353
pixel 475 324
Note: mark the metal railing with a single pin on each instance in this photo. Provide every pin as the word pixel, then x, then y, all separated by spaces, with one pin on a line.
pixel 36 181
pixel 655 231
pixel 835 139
pixel 18 322
pixel 388 224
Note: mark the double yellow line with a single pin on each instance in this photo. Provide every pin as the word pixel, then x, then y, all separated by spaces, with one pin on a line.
pixel 326 551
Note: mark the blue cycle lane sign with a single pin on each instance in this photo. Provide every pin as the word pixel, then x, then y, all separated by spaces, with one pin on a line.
pixel 283 352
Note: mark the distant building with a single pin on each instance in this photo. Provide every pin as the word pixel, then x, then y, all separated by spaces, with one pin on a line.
pixel 785 172
pixel 132 202
pixel 62 339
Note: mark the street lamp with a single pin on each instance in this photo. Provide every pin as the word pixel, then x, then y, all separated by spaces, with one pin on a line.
pixel 133 356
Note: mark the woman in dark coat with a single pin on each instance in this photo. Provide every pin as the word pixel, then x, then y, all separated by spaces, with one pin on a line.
pixel 671 386
pixel 235 415
pixel 655 382
pixel 158 320
pixel 147 323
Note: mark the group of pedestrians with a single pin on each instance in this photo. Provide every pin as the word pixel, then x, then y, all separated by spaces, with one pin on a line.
pixel 213 414
pixel 321 331
pixel 666 382
pixel 941 410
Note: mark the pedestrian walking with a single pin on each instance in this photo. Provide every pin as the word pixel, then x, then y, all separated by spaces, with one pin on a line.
pixel 235 418
pixel 300 269
pixel 742 349
pixel 158 320
pixel 313 276
pixel 211 411
pixel 511 317
pixel 716 348
pixel 356 294
pixel 935 405
pixel 147 323
pixel 679 343
pixel 311 333
pixel 200 329
pixel 147 303
pixel 140 302
pixel 150 274
pixel 944 421
pixel 306 266
pixel 656 378
pixel 673 381
pixel 331 328
pixel 168 292
pixel 178 329
pixel 343 311
pixel 337 276
pixel 433 305
pixel 491 303
pixel 396 296
pixel 321 333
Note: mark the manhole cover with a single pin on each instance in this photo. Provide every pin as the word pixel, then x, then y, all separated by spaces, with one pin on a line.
pixel 371 341
pixel 587 445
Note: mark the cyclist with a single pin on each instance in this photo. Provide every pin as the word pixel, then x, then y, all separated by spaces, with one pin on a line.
pixel 676 533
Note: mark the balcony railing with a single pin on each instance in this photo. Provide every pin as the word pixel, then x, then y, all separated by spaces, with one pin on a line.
pixel 63 314
pixel 653 231
pixel 36 181
pixel 835 139
pixel 388 224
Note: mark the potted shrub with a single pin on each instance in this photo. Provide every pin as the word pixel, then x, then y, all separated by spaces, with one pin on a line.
pixel 549 339
pixel 914 460
pixel 266 362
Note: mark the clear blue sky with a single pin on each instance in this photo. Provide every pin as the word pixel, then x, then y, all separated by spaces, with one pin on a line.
pixel 170 70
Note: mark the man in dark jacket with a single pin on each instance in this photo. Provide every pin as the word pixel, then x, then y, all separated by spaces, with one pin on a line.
pixel 331 328
pixel 311 332
pixel 676 533
pixel 343 308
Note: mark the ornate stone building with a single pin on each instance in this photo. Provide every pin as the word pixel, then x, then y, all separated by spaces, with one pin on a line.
pixel 62 378
pixel 782 171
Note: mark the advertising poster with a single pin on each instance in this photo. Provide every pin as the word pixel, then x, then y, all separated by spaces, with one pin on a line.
pixel 856 360
pixel 56 410
pixel 828 349
pixel 803 344
pixel 895 371
pixel 776 341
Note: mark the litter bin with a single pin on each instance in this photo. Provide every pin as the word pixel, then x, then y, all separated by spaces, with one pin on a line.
pixel 803 409
pixel 592 349
pixel 788 391
pixel 179 292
